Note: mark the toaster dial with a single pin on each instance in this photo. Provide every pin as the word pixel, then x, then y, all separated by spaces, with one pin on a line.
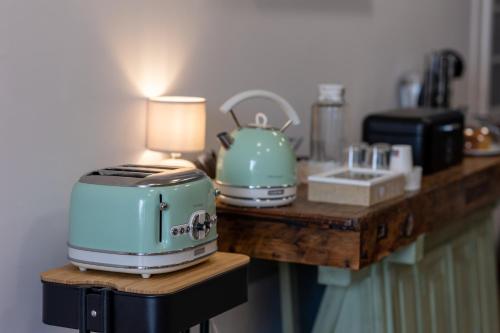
pixel 200 225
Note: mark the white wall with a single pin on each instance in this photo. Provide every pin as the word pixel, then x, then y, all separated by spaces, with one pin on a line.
pixel 73 75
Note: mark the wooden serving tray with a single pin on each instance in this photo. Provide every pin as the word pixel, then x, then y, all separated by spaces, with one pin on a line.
pixel 363 187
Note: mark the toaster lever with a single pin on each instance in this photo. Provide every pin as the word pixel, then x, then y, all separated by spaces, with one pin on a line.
pixel 163 207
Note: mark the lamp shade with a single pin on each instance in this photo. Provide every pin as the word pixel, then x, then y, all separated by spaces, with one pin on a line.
pixel 176 124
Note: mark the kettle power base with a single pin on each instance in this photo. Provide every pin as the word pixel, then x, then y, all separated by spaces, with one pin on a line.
pixel 257 203
pixel 144 264
pixel 273 196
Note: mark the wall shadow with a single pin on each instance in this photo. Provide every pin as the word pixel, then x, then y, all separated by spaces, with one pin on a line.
pixel 333 6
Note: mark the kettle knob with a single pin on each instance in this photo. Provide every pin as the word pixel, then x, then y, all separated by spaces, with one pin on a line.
pixel 260 119
pixel 293 118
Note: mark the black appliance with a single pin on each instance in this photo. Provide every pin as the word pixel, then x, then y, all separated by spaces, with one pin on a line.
pixel 436 135
pixel 442 67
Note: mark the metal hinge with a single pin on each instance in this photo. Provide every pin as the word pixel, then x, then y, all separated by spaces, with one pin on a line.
pixel 95 311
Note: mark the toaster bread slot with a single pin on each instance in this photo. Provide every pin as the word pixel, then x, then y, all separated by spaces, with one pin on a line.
pixel 150 167
pixel 142 176
pixel 118 173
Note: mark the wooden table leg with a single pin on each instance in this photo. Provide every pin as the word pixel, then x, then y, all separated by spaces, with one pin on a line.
pixel 288 298
pixel 329 310
pixel 352 301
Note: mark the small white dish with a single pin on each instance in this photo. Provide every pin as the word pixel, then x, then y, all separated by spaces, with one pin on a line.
pixel 492 151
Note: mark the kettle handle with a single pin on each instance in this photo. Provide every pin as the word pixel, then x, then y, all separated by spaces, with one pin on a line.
pixel 250 94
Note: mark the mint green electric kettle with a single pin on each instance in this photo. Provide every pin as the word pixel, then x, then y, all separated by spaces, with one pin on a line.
pixel 256 163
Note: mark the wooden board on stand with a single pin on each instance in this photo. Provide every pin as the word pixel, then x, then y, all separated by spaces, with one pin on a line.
pixel 157 284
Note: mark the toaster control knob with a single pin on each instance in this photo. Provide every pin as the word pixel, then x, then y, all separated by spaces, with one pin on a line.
pixel 197 227
pixel 200 226
pixel 208 223
pixel 196 223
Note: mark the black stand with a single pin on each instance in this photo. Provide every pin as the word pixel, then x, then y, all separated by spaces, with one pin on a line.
pixel 96 309
pixel 205 327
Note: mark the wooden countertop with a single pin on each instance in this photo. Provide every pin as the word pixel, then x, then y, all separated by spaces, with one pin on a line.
pixel 354 236
pixel 158 284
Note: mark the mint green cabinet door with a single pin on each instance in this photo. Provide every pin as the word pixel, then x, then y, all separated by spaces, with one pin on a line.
pixel 487 278
pixel 435 292
pixel 403 309
pixel 448 285
pixel 466 296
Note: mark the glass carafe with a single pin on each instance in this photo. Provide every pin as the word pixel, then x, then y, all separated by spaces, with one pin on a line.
pixel 327 125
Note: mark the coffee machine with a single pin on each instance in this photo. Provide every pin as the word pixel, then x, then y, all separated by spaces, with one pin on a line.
pixel 442 67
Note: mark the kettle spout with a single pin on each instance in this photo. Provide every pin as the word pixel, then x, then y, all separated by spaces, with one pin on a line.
pixel 225 139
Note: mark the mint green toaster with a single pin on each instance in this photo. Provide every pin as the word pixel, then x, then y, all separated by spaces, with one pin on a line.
pixel 142 219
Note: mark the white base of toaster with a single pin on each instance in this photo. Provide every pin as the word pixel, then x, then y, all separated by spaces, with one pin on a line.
pixel 140 264
pixel 257 196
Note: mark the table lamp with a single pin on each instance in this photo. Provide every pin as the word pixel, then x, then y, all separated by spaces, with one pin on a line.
pixel 176 124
